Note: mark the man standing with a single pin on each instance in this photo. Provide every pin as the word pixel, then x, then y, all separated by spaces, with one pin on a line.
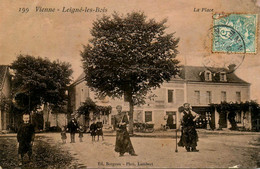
pixel 123 142
pixel 189 136
pixel 72 127
pixel 25 138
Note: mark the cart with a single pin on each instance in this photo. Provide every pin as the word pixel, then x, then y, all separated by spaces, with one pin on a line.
pixel 146 127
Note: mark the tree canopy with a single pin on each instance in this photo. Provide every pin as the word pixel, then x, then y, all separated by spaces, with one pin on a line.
pixel 235 106
pixel 38 80
pixel 129 55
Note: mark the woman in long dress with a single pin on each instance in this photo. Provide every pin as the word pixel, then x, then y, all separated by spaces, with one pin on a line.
pixel 123 142
pixel 189 136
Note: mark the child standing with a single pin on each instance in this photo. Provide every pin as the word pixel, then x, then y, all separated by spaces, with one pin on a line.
pixel 63 135
pixel 81 131
pixel 25 138
pixel 93 128
pixel 99 129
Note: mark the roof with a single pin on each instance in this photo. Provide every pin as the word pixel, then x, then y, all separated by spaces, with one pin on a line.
pixel 80 79
pixel 3 72
pixel 192 74
pixel 81 76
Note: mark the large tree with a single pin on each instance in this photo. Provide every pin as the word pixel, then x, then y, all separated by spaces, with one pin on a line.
pixel 40 81
pixel 129 55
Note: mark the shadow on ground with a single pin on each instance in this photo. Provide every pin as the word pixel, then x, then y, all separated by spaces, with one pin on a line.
pixel 44 155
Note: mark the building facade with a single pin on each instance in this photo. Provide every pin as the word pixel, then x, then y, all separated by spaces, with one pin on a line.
pixel 205 87
pixel 5 97
pixel 195 85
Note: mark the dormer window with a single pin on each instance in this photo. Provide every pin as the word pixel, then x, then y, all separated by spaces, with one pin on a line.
pixel 208 76
pixel 223 77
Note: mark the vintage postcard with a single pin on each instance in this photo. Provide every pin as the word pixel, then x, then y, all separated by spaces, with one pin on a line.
pixel 129 84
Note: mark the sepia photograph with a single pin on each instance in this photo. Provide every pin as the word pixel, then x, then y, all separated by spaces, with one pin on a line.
pixel 129 84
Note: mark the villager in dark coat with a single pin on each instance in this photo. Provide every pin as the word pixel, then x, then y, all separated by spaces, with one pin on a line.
pixel 123 142
pixel 189 137
pixel 73 127
pixel 25 138
pixel 100 129
pixel 93 130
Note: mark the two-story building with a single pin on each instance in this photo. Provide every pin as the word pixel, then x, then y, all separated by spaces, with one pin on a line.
pixel 195 85
pixel 5 97
pixel 204 86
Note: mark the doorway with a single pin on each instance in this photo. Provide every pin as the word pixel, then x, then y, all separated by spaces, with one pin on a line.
pixel 171 119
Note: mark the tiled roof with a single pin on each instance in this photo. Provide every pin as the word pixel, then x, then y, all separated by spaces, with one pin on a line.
pixel 80 79
pixel 3 71
pixel 82 76
pixel 192 74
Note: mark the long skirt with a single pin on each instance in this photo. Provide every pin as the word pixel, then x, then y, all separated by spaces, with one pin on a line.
pixel 123 142
pixel 189 137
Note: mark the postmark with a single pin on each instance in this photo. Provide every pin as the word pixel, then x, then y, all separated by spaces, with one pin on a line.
pixel 231 37
pixel 229 40
pixel 233 26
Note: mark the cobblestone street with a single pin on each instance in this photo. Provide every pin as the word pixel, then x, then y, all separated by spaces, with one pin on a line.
pixel 216 150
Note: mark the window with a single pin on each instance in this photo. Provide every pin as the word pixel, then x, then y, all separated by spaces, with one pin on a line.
pixel 223 96
pixel 208 97
pixel 238 96
pixel 170 96
pixel 223 77
pixel 197 97
pixel 148 116
pixel 171 119
pixel 208 76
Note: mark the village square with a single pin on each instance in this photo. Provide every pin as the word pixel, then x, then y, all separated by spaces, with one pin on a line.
pixel 130 88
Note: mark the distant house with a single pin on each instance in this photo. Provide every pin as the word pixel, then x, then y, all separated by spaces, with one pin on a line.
pixel 195 85
pixel 5 97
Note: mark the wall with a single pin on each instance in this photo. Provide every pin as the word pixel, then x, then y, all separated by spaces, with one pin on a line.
pixel 58 119
pixel 216 89
pixel 81 93
pixel 5 94
pixel 158 105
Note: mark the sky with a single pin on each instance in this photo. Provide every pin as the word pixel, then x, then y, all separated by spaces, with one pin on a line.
pixel 61 35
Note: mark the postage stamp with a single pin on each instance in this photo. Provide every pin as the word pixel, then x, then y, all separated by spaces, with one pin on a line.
pixel 231 30
pixel 230 49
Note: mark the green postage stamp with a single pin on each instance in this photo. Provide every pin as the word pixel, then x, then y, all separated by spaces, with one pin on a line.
pixel 234 33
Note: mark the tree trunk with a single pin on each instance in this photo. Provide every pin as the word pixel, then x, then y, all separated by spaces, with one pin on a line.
pixel 57 119
pixel 131 117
